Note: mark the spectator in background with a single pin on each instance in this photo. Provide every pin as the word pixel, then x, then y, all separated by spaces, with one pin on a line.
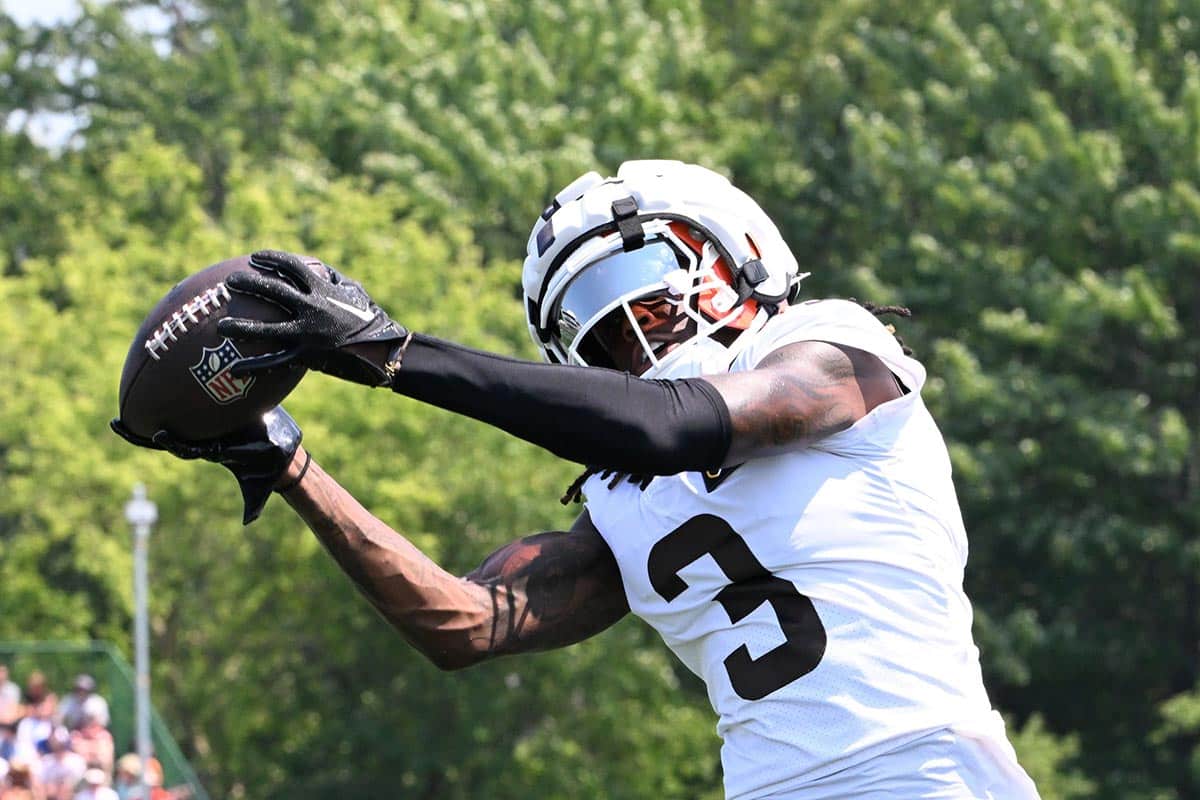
pixel 128 772
pixel 154 780
pixel 62 767
pixel 83 700
pixel 10 697
pixel 37 691
pixel 36 727
pixel 8 740
pixel 93 741
pixel 127 781
pixel 23 783
pixel 95 787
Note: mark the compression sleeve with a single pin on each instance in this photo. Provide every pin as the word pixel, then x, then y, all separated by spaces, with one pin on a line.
pixel 597 417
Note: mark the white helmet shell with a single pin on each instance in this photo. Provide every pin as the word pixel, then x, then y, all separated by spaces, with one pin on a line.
pixel 594 218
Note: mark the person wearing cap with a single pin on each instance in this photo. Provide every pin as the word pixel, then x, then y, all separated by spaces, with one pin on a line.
pixel 83 700
pixel 95 786
pixel 128 772
pixel 128 780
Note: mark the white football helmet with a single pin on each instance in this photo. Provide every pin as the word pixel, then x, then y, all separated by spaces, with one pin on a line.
pixel 659 228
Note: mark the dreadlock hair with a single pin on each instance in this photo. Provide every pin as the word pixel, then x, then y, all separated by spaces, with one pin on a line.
pixel 574 493
pixel 879 311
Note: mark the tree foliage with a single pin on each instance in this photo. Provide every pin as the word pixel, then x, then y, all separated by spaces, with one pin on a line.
pixel 1022 173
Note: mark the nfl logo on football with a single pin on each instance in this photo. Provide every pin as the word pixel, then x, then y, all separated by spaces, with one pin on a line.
pixel 213 374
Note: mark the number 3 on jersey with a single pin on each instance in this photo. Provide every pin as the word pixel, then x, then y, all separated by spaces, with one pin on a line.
pixel 750 586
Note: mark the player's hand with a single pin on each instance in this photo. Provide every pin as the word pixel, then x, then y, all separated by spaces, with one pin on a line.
pixel 331 314
pixel 257 456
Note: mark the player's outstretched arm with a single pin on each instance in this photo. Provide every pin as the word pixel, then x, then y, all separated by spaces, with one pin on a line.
pixel 544 591
pixel 597 417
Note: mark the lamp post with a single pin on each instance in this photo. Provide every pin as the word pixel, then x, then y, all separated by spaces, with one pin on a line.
pixel 141 514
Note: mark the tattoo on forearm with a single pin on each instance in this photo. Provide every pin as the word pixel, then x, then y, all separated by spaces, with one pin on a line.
pixel 550 590
pixel 544 591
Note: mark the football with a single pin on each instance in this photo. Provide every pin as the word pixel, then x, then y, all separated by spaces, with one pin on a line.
pixel 177 372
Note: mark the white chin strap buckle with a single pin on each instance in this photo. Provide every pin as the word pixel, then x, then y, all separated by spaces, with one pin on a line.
pixel 678 282
pixel 724 300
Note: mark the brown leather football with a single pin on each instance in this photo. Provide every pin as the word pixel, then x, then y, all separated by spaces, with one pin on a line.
pixel 177 372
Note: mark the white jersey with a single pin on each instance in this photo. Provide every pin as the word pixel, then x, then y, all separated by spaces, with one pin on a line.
pixel 819 596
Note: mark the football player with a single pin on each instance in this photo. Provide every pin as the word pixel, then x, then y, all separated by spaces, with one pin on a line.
pixel 764 486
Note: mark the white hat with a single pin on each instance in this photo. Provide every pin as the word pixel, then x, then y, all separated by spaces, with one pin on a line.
pixel 95 777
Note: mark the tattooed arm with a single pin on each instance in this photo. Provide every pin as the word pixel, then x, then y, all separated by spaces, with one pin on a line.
pixel 544 591
pixel 801 393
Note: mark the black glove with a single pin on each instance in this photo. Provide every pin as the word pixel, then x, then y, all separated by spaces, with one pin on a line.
pixel 329 312
pixel 257 456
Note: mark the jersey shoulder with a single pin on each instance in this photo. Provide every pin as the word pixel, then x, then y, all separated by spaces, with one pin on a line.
pixel 841 322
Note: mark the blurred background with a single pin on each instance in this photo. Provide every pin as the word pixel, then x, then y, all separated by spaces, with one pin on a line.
pixel 1023 174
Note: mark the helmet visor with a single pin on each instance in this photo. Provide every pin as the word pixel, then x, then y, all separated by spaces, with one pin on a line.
pixel 600 286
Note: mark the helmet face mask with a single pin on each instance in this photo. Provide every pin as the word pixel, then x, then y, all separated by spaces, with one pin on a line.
pixel 635 337
pixel 601 294
pixel 611 284
pixel 659 230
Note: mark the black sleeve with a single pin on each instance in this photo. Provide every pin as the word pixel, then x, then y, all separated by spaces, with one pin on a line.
pixel 597 417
